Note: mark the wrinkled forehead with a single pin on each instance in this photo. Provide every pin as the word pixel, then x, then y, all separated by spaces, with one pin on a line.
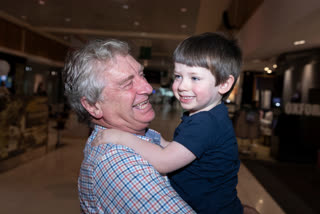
pixel 121 66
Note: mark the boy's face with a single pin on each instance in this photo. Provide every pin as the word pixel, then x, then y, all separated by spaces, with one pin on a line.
pixel 195 88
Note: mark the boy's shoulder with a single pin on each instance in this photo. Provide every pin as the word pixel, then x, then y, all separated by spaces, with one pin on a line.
pixel 215 115
pixel 203 118
pixel 219 109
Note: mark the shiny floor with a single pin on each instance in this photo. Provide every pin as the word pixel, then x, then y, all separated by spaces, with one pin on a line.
pixel 49 184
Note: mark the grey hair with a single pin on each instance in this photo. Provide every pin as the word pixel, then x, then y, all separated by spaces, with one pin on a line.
pixel 83 69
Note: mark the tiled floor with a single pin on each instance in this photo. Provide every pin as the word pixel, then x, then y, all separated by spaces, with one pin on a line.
pixel 49 184
pixel 294 186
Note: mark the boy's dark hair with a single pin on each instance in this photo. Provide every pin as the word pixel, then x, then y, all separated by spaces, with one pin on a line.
pixel 214 51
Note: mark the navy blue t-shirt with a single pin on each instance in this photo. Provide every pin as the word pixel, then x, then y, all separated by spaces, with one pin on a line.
pixel 208 184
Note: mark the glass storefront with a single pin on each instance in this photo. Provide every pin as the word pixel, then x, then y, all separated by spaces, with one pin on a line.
pixel 29 95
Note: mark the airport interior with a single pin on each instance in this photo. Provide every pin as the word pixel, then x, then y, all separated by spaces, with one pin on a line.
pixel 274 106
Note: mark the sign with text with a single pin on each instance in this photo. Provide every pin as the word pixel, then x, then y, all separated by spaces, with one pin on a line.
pixel 302 109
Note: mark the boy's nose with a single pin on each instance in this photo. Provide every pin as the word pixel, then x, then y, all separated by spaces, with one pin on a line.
pixel 184 85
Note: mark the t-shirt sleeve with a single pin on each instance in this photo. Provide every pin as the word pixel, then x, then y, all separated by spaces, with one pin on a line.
pixel 196 134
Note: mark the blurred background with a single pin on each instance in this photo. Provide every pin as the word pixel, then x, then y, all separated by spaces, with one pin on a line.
pixel 275 106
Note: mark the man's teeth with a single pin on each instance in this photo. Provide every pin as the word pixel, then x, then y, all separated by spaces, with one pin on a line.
pixel 142 105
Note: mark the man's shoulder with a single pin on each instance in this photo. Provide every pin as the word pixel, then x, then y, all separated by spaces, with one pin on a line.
pixel 154 135
pixel 113 158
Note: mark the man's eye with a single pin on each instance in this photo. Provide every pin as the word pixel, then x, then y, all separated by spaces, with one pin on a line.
pixel 143 75
pixel 195 78
pixel 128 85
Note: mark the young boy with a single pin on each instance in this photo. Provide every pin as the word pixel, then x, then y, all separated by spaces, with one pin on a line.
pixel 202 161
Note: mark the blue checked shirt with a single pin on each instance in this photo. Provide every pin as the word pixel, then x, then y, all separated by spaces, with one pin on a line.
pixel 115 179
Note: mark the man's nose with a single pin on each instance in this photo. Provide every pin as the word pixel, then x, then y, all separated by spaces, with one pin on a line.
pixel 143 86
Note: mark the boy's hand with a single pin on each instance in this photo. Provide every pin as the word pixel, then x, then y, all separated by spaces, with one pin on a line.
pixel 107 136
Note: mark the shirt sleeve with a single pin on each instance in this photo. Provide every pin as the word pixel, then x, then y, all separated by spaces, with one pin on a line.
pixel 123 181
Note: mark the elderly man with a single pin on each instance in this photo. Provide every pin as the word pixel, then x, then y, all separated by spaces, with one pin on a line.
pixel 106 85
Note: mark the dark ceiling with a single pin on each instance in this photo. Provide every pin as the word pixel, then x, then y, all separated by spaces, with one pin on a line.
pixel 265 29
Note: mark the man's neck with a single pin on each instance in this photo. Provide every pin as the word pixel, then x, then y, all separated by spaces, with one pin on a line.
pixel 125 129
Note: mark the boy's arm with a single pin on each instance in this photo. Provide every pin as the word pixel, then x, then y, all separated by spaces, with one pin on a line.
pixel 168 159
pixel 164 143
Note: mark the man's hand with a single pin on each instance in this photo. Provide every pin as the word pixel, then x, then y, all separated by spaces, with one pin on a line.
pixel 107 136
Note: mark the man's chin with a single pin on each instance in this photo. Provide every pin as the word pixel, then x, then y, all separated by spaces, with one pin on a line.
pixel 142 125
pixel 150 115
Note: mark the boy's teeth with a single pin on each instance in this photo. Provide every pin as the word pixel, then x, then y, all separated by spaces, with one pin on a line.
pixel 186 98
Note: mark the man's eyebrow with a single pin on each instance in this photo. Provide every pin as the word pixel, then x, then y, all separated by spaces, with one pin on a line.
pixel 126 79
pixel 121 82
pixel 141 69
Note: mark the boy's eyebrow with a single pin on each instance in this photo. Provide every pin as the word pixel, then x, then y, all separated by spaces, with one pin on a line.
pixel 194 73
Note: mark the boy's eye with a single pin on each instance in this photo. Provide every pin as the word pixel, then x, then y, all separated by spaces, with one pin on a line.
pixel 176 76
pixel 195 78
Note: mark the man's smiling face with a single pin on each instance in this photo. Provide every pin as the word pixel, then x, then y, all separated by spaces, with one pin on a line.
pixel 126 97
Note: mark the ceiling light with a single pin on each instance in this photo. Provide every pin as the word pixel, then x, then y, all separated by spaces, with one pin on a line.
pixel 268 70
pixel 136 23
pixel 28 68
pixel 125 6
pixel 275 66
pixel 41 2
pixel 183 26
pixel 183 9
pixel 299 42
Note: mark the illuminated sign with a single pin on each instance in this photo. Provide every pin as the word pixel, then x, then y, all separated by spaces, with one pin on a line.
pixel 302 109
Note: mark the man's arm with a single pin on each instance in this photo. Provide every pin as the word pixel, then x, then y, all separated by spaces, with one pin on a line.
pixel 174 156
pixel 124 181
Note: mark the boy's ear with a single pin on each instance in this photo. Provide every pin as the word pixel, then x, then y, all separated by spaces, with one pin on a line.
pixel 93 109
pixel 226 86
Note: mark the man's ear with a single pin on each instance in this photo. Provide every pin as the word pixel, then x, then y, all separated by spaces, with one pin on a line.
pixel 226 86
pixel 93 109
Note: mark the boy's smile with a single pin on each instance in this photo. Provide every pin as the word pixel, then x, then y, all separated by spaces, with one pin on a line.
pixel 186 99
